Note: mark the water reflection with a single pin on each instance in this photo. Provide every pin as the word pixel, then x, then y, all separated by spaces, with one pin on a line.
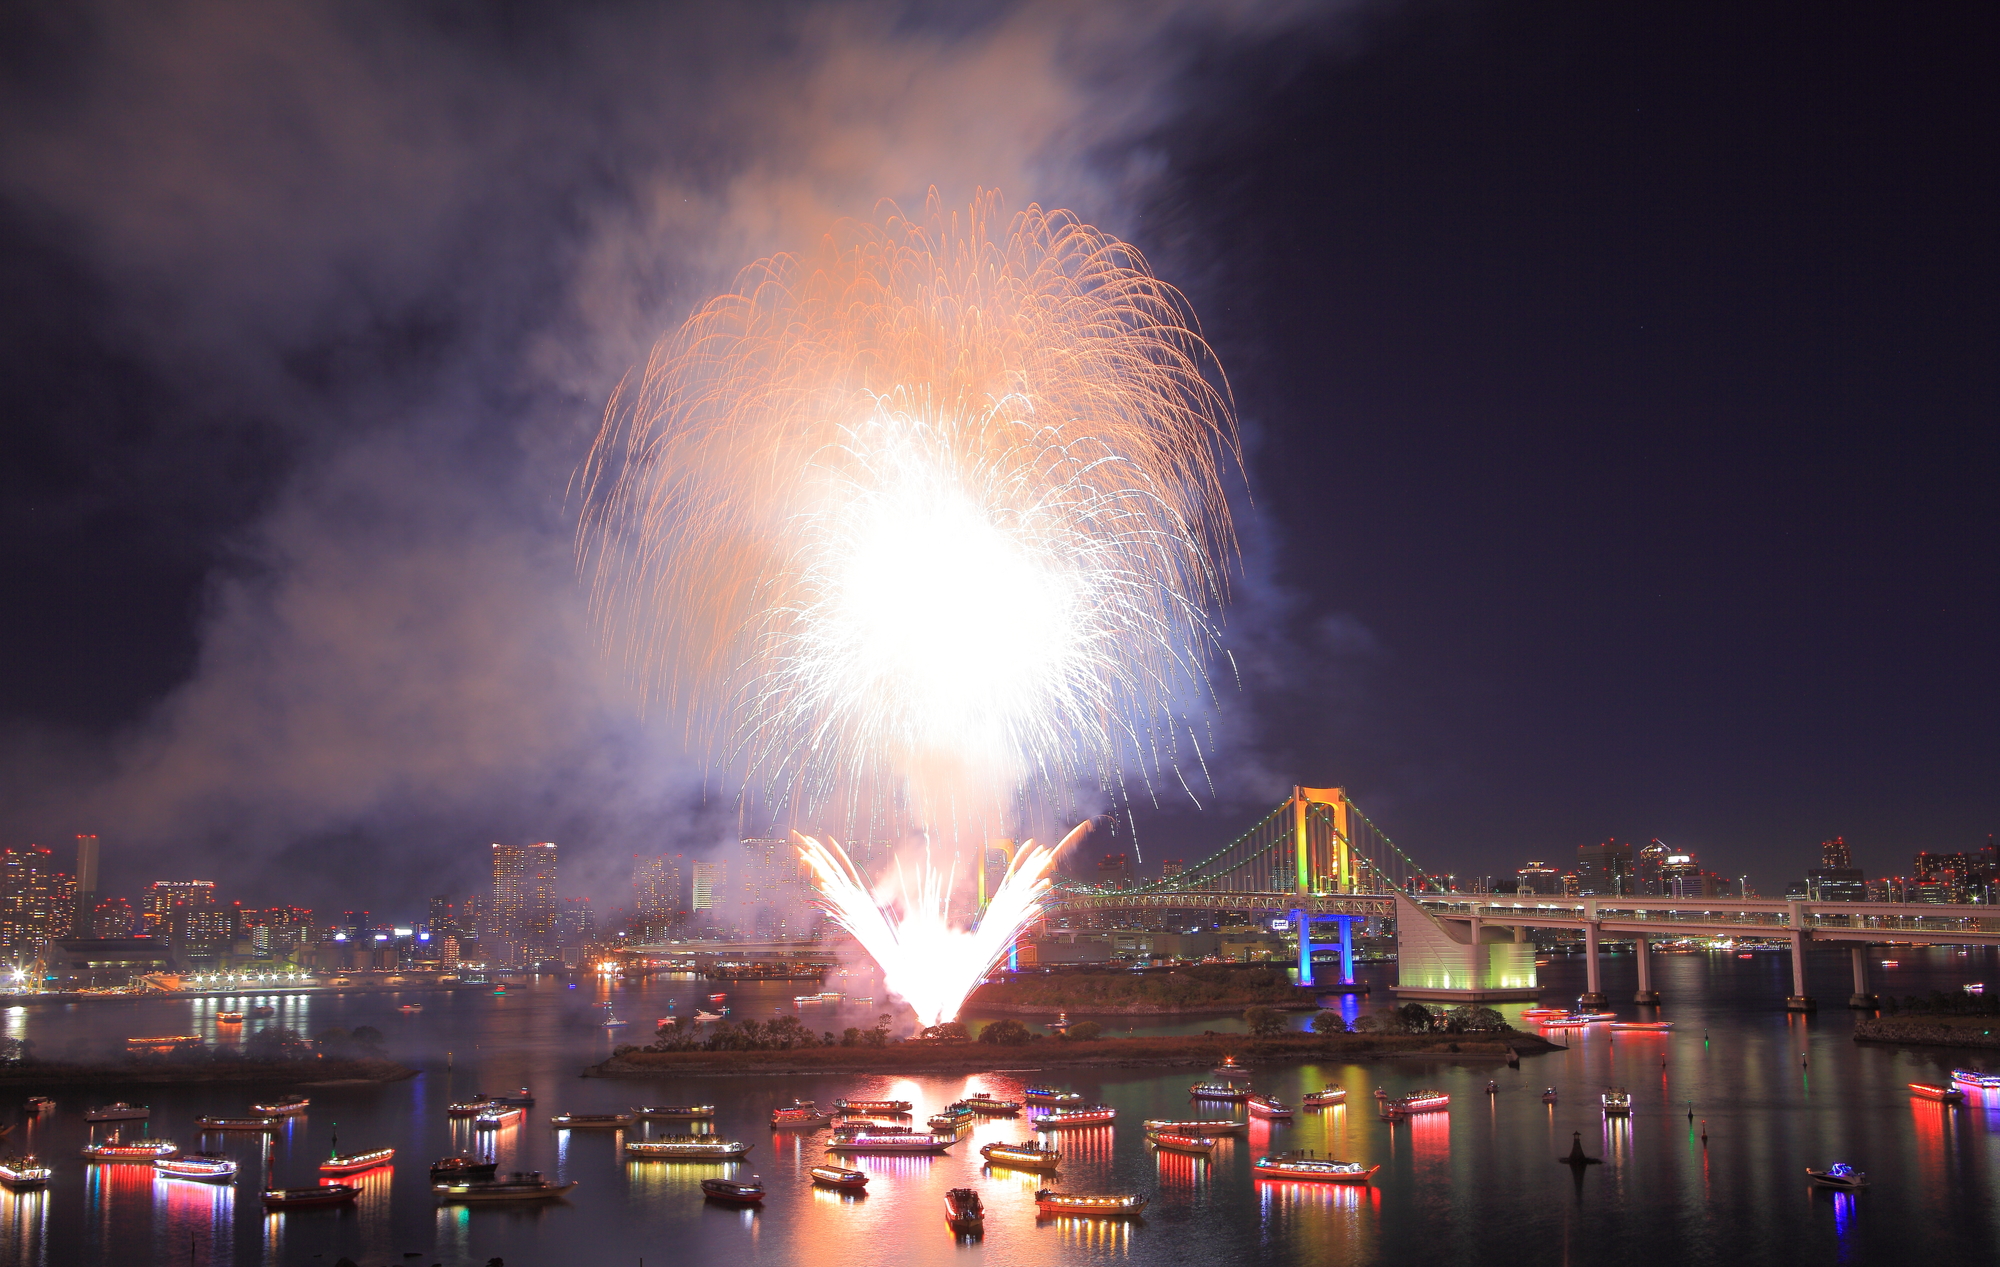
pixel 24 1226
pixel 191 1220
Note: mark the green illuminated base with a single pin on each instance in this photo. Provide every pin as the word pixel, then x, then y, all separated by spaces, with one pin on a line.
pixel 1492 994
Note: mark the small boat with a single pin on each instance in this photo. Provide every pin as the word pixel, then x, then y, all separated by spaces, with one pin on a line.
pixel 1538 1013
pixel 1425 1101
pixel 950 1120
pixel 521 1098
pixel 1052 1204
pixel 1931 1091
pixel 1492 1087
pixel 1838 1175
pixel 146 1150
pixel 700 1015
pixel 1653 1027
pixel 1218 1091
pixel 410 1009
pixel 1269 1107
pixel 748 1191
pixel 1060 1025
pixel 581 1121
pixel 1321 1099
pixel 1595 1016
pixel 1230 1069
pixel 1564 1022
pixel 40 1103
pixel 1617 1102
pixel 1026 1155
pixel 612 1022
pixel 1311 1168
pixel 871 1106
pixel 685 1112
pixel 519 1186
pixel 798 1113
pixel 206 1167
pixel 325 1194
pixel 118 1112
pixel 1089 1115
pixel 1977 1078
pixel 24 1172
pixel 262 1010
pixel 495 1116
pixel 862 1139
pixel 468 1108
pixel 339 1163
pixel 1175 1142
pixel 1199 1125
pixel 840 1177
pixel 1051 1095
pixel 686 1148
pixel 963 1210
pixel 987 1106
pixel 229 1018
pixel 462 1169
pixel 259 1123
pixel 717 998
pixel 283 1106
pixel 1549 1096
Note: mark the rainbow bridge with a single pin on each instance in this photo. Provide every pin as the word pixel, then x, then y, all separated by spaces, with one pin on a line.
pixel 1319 860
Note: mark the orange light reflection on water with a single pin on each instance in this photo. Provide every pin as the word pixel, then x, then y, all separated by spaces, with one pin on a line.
pixel 24 1223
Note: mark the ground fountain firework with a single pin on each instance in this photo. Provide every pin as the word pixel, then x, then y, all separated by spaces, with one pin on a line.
pixel 926 526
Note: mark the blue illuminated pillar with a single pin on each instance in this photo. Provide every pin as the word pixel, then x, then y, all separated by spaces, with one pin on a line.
pixel 1304 925
pixel 1347 950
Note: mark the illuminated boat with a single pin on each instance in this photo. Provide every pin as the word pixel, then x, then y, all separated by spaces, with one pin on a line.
pixel 1050 1095
pixel 1322 1099
pixel 283 1106
pixel 118 1112
pixel 206 1167
pixel 862 1139
pixel 583 1121
pixel 338 1163
pixel 1230 1069
pixel 1596 1016
pixel 259 1123
pixel 949 1120
pixel 684 1111
pixel 495 1116
pixel 40 1103
pixel 1424 1101
pixel 1549 1096
pixel 325 1194
pixel 468 1108
pixel 840 1177
pixel 1563 1022
pixel 1977 1078
pixel 748 1191
pixel 964 1210
pixel 24 1172
pixel 612 1022
pixel 262 1010
pixel 1199 1125
pixel 1052 1204
pixel 1931 1091
pixel 798 1113
pixel 462 1169
pixel 1218 1091
pixel 686 1148
pixel 145 1150
pixel 987 1106
pixel 1838 1175
pixel 229 1018
pixel 872 1106
pixel 1026 1155
pixel 1175 1142
pixel 1269 1107
pixel 1089 1115
pixel 717 998
pixel 519 1186
pixel 1538 1013
pixel 1656 1027
pixel 521 1098
pixel 1617 1102
pixel 410 1009
pixel 1311 1168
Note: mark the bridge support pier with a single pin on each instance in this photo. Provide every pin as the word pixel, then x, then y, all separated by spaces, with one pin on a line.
pixel 1861 998
pixel 1798 1000
pixel 1302 921
pixel 1647 994
pixel 1593 991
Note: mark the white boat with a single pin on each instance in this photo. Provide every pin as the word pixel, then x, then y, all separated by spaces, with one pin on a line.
pixel 700 1015
pixel 117 1112
pixel 1617 1102
pixel 1838 1175
pixel 205 1167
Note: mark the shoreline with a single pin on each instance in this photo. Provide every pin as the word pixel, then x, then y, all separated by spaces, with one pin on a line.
pixel 303 1073
pixel 1976 1032
pixel 1151 1052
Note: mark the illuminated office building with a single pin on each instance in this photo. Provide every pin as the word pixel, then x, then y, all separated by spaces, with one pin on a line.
pixel 523 915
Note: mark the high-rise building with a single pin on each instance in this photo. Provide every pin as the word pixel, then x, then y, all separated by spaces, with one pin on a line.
pixel 86 878
pixel 443 916
pixel 37 902
pixel 1172 867
pixel 448 953
pixel 471 916
pixel 524 901
pixel 994 860
pixel 1605 869
pixel 185 912
pixel 1834 854
pixel 1114 870
pixel 111 917
pixel 709 879
pixel 1538 878
pixel 1681 876
pixel 656 893
pixel 1648 867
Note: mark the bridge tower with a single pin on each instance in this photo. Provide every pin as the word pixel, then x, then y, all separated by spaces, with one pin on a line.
pixel 1323 861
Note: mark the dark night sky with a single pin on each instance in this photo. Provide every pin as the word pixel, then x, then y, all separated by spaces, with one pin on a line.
pixel 1619 384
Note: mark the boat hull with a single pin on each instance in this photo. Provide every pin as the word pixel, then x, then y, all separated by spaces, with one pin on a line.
pixel 456 1193
pixel 1297 1174
pixel 305 1198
